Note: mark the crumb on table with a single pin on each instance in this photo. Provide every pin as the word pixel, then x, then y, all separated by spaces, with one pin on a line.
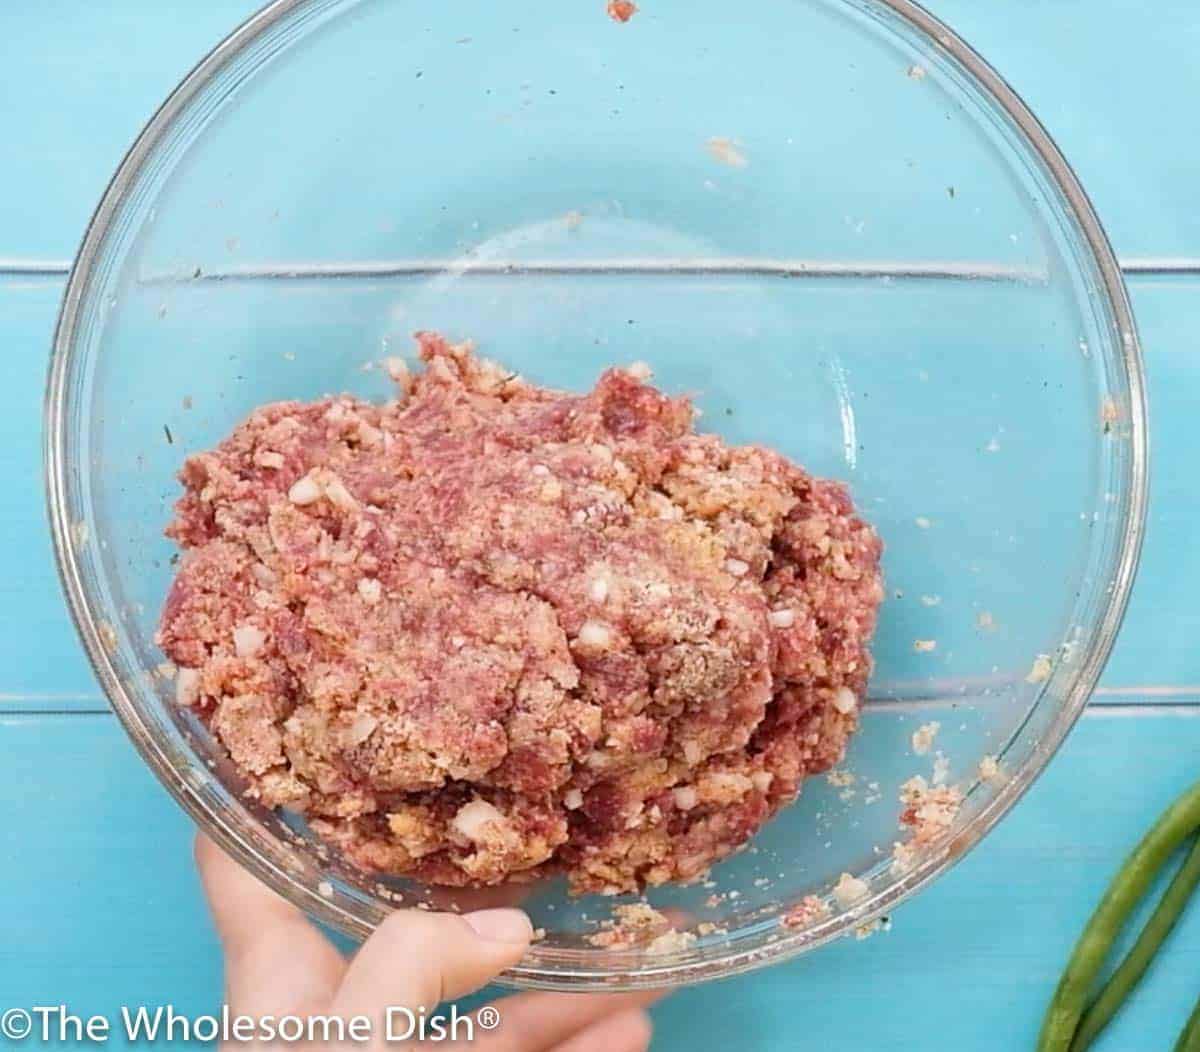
pixel 621 10
pixel 727 151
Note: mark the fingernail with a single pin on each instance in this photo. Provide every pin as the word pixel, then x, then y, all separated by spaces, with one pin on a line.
pixel 500 925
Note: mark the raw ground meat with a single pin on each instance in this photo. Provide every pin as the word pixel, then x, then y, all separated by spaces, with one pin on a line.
pixel 488 631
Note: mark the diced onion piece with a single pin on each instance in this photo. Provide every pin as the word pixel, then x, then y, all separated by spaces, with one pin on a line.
pixel 304 491
pixel 397 369
pixel 685 797
pixel 370 590
pixel 187 687
pixel 338 495
pixel 844 700
pixel 248 640
pixel 473 819
pixel 263 574
pixel 595 634
pixel 360 730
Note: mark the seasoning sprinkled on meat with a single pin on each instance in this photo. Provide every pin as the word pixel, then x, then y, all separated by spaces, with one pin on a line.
pixel 489 631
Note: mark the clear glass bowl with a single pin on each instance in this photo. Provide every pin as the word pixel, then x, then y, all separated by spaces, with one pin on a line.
pixel 829 219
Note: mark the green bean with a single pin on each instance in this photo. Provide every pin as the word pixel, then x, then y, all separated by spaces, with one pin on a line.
pixel 1130 971
pixel 1189 1037
pixel 1123 894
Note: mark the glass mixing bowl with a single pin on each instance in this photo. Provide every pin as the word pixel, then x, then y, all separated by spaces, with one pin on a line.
pixel 830 220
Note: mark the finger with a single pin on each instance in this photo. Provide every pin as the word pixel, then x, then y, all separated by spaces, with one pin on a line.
pixel 537 1021
pixel 417 959
pixel 627 1032
pixel 274 958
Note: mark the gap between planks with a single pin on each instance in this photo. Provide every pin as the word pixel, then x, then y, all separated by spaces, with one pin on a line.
pixel 1133 266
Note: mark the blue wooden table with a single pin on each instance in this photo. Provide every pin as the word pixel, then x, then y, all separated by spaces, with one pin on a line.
pixel 98 900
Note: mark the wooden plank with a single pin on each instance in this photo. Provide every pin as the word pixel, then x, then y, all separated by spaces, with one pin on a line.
pixel 112 914
pixel 75 101
pixel 99 859
pixel 1157 645
pixel 1123 144
pixel 78 82
pixel 43 666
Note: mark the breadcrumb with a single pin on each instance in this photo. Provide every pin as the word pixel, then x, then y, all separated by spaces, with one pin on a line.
pixel 108 636
pixel 923 736
pixel 809 909
pixel 850 889
pixel 727 151
pixel 1040 670
pixel 865 931
pixel 671 942
pixel 904 856
pixel 928 810
pixel 632 924
pixel 989 769
pixel 1109 414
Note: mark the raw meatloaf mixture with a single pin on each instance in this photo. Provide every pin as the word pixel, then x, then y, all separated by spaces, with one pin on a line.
pixel 488 631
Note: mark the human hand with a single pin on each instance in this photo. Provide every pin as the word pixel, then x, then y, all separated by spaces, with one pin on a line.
pixel 277 963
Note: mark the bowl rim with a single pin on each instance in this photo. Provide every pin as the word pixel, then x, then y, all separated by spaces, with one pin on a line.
pixel 731 959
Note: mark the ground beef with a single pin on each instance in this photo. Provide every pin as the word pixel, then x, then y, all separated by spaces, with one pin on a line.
pixel 488 631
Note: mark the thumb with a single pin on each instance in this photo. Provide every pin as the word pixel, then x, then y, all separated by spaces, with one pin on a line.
pixel 417 959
